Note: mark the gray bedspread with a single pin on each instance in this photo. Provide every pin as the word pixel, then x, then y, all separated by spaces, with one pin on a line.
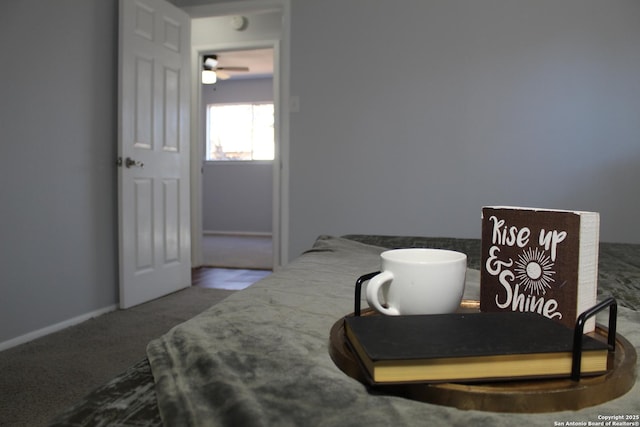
pixel 261 357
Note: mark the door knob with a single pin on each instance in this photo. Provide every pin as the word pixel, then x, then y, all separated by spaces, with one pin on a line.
pixel 129 162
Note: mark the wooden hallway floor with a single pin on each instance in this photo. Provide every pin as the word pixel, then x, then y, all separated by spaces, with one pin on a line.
pixel 226 278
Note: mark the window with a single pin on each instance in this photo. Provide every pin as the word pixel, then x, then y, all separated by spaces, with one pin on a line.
pixel 240 132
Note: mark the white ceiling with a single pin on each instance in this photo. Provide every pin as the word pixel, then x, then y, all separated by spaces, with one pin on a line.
pixel 259 61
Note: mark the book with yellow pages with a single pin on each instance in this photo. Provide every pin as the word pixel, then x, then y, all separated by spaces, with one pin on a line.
pixel 468 347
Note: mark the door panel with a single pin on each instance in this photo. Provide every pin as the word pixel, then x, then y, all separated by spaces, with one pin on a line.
pixel 171 193
pixel 171 110
pixel 143 199
pixel 153 147
pixel 143 118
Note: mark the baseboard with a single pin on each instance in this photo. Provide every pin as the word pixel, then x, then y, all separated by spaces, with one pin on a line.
pixel 238 233
pixel 22 339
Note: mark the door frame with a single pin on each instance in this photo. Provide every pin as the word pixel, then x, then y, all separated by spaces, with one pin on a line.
pixel 281 78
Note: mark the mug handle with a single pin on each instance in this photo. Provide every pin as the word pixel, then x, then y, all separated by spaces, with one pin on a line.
pixel 372 293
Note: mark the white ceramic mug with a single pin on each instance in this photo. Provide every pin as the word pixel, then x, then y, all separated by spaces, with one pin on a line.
pixel 418 281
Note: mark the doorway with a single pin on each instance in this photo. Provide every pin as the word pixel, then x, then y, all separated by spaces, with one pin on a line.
pixel 237 167
pixel 211 33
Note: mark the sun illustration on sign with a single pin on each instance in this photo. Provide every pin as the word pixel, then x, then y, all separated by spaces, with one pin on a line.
pixel 534 271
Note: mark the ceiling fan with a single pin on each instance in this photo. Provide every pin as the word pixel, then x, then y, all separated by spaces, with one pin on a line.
pixel 211 71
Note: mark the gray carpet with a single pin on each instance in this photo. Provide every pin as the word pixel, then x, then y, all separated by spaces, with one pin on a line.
pixel 41 378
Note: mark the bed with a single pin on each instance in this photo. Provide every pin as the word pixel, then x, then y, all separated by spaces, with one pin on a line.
pixel 261 358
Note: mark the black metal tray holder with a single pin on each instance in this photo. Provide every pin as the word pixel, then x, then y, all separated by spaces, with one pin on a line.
pixel 577 332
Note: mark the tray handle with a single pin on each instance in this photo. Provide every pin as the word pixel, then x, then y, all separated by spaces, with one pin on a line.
pixel 358 294
pixel 579 331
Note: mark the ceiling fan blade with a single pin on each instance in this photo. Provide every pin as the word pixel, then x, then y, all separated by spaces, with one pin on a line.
pixel 222 75
pixel 233 68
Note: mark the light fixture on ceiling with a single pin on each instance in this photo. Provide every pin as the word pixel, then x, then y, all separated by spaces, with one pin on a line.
pixel 208 74
pixel 239 23
pixel 208 77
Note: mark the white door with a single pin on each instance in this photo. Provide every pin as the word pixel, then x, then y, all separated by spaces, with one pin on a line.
pixel 153 177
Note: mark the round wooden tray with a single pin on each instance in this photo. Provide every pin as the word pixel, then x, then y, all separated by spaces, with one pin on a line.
pixel 533 396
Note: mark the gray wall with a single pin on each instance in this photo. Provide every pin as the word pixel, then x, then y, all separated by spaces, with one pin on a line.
pixel 414 114
pixel 58 87
pixel 237 196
